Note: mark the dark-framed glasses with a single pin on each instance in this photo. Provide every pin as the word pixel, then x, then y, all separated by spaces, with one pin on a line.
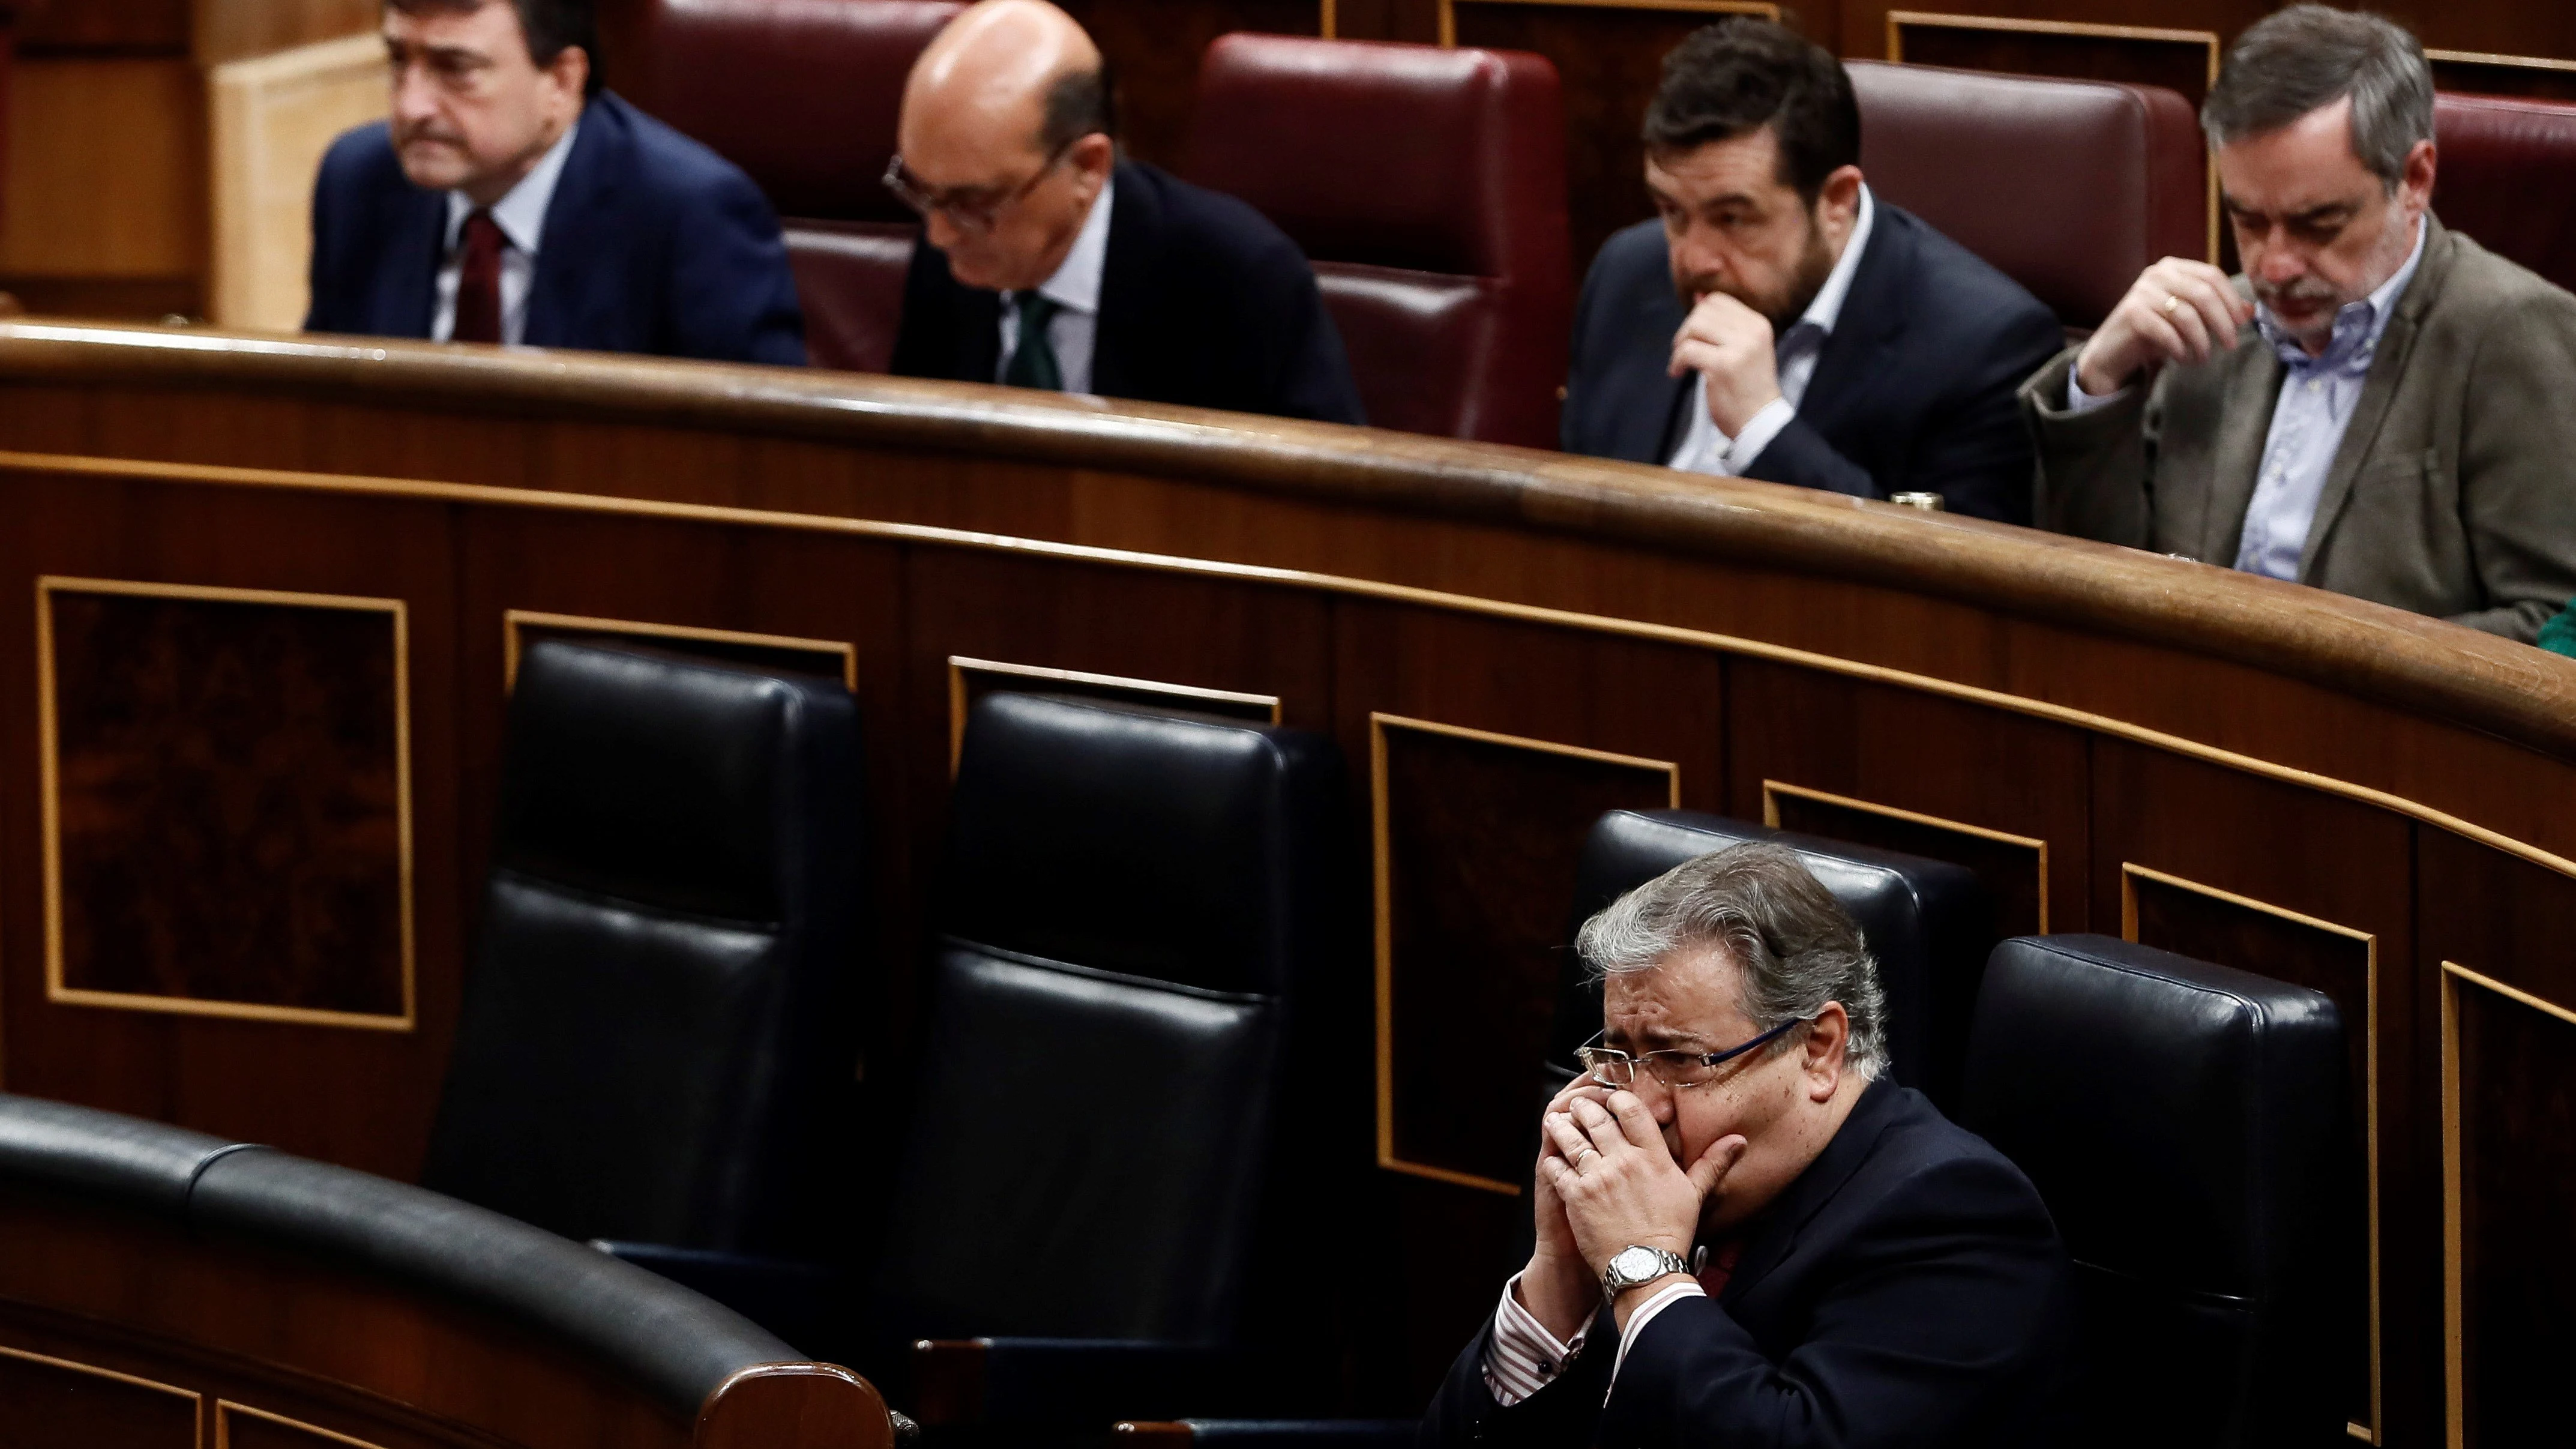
pixel 1611 1067
pixel 973 209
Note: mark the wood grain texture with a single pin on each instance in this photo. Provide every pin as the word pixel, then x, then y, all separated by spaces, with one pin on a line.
pixel 60 1403
pixel 806 1404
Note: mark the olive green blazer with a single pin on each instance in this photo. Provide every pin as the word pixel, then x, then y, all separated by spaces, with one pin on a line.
pixel 2453 493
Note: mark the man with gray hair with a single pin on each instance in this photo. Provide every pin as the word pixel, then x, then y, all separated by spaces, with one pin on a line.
pixel 1745 1233
pixel 2377 407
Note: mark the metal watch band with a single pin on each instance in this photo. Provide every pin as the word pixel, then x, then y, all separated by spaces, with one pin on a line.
pixel 1615 1282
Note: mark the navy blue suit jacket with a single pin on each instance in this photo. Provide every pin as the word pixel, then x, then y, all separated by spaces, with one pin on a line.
pixel 1907 1290
pixel 653 243
pixel 1202 302
pixel 1915 392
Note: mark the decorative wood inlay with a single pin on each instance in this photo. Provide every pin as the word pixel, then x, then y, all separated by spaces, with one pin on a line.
pixel 2209 924
pixel 226 783
pixel 2508 1196
pixel 830 658
pixel 239 1426
pixel 1471 924
pixel 971 679
pixel 1763 8
pixel 2014 867
pixel 55 1403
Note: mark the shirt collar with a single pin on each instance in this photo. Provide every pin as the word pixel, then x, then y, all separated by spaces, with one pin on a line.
pixel 2358 327
pixel 1076 283
pixel 521 213
pixel 1827 309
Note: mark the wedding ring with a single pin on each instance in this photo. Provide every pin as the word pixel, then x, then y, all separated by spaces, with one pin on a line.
pixel 1586 1152
pixel 2170 304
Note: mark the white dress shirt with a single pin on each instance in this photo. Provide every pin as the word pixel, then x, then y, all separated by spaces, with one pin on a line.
pixel 2309 419
pixel 1075 289
pixel 1706 450
pixel 521 215
pixel 1522 1357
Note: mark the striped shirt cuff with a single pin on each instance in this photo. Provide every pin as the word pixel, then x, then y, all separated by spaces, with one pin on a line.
pixel 1645 1314
pixel 1522 1357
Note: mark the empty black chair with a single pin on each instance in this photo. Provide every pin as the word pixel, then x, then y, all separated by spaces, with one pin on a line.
pixel 1145 930
pixel 662 991
pixel 2185 1124
pixel 1928 923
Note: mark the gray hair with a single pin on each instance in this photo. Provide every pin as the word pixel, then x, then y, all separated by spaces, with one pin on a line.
pixel 2298 60
pixel 1794 946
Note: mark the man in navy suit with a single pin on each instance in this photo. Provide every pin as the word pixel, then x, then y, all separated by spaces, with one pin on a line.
pixel 510 199
pixel 1048 262
pixel 1778 321
pixel 1746 1234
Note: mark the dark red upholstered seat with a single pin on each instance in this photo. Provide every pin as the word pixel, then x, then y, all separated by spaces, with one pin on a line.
pixel 2508 178
pixel 1428 187
pixel 2069 187
pixel 803 95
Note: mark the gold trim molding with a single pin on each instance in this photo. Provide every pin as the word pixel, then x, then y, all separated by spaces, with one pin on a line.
pixel 2501 62
pixel 1773 789
pixel 49 789
pixel 226 1408
pixel 1182 696
pixel 513 619
pixel 1763 8
pixel 2454 1234
pixel 1384 931
pixel 364 486
pixel 197 1420
pixel 2130 874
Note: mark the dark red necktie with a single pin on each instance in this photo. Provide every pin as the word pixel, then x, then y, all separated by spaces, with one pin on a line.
pixel 1720 1266
pixel 478 281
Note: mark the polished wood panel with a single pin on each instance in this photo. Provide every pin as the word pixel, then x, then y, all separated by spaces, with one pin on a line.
pixel 969 680
pixel 228 802
pixel 272 117
pixel 106 175
pixel 238 1426
pixel 57 1403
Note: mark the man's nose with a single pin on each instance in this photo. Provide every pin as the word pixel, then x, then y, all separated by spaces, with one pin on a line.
pixel 1697 254
pixel 944 234
pixel 2280 262
pixel 415 99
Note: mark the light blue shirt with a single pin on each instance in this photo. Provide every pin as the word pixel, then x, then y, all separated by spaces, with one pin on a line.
pixel 2308 424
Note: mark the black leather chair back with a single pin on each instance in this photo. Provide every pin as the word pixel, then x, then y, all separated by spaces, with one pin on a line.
pixel 2185 1124
pixel 1927 922
pixel 668 950
pixel 1134 905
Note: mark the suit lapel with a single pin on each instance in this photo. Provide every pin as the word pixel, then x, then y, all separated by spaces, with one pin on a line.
pixel 407 281
pixel 579 217
pixel 2252 389
pixel 1873 315
pixel 1651 436
pixel 2378 390
pixel 1777 1232
pixel 1126 282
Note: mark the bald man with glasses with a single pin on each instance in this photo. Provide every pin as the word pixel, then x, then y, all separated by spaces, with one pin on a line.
pixel 1048 261
pixel 1747 1234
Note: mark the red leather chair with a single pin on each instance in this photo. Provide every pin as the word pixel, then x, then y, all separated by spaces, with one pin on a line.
pixel 2508 178
pixel 803 95
pixel 1428 187
pixel 2069 187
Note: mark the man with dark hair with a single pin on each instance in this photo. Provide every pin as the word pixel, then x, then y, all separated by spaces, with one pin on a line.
pixel 2377 407
pixel 511 199
pixel 1778 321
pixel 1746 1235
pixel 1047 261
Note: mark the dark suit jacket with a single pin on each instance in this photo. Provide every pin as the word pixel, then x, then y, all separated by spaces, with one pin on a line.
pixel 1908 1289
pixel 653 243
pixel 1202 302
pixel 1914 392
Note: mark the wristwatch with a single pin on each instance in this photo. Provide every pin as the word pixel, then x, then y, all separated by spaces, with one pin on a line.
pixel 1635 1264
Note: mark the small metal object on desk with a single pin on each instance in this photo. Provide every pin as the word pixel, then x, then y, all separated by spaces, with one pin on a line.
pixel 1928 502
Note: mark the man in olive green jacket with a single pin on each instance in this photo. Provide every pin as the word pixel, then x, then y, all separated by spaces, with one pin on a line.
pixel 2379 407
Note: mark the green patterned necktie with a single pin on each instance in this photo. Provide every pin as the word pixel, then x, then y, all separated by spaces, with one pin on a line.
pixel 1033 357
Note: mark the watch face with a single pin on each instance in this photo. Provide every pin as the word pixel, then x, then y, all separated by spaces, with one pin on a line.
pixel 1634 1263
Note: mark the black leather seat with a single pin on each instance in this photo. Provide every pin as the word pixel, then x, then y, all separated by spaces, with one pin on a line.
pixel 1145 929
pixel 662 992
pixel 2185 1124
pixel 1928 923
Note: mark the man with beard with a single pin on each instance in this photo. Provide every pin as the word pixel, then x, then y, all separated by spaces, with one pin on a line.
pixel 1778 322
pixel 511 199
pixel 2377 407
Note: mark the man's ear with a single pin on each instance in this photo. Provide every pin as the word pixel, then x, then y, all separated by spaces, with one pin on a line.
pixel 570 71
pixel 1828 1051
pixel 2421 164
pixel 1094 156
pixel 1838 200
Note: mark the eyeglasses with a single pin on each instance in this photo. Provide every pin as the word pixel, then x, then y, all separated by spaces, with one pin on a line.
pixel 1612 1067
pixel 974 209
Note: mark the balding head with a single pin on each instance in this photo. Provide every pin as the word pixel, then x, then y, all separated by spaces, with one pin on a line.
pixel 1011 92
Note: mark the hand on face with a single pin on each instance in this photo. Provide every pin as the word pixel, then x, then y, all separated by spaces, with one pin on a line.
pixel 1730 344
pixel 1618 1182
pixel 2177 311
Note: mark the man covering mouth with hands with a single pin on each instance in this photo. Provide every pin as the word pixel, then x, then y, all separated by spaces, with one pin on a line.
pixel 1745 1235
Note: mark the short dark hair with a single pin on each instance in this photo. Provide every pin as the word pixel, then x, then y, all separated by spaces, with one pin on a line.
pixel 1733 78
pixel 2295 61
pixel 1077 104
pixel 551 26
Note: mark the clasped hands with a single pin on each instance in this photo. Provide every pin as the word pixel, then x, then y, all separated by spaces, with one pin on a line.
pixel 1605 1181
pixel 1731 345
pixel 2177 311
